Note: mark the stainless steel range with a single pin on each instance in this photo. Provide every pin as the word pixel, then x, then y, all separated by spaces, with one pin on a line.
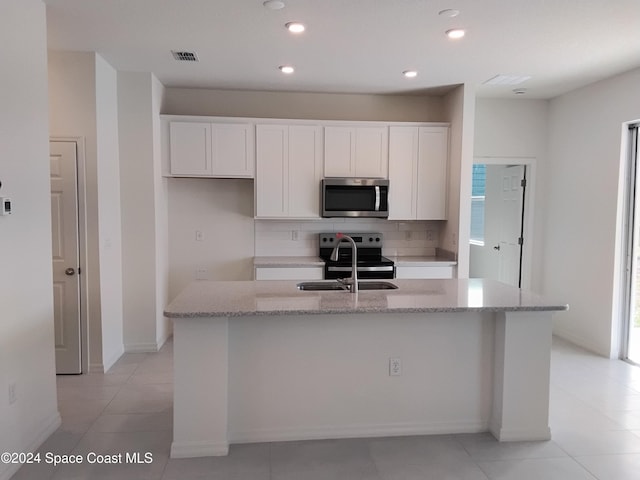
pixel 371 263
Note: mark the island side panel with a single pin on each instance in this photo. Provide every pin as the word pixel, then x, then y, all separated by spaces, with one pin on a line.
pixel 327 376
pixel 521 376
pixel 201 366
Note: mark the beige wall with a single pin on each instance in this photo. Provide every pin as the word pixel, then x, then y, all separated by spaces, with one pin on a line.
pixel 26 291
pixel 143 224
pixel 76 109
pixel 311 106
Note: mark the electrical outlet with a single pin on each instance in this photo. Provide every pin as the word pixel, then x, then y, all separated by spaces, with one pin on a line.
pixel 199 236
pixel 294 235
pixel 395 366
pixel 201 273
pixel 408 235
pixel 429 235
pixel 12 393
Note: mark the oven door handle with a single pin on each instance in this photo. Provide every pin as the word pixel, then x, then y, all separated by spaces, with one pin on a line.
pixel 383 268
pixel 377 205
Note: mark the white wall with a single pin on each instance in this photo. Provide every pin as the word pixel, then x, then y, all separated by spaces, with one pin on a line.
pixel 517 128
pixel 76 109
pixel 109 210
pixel 163 326
pixel 142 199
pixel 26 326
pixel 582 191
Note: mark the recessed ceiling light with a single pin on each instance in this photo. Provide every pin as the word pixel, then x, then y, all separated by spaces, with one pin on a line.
pixel 295 27
pixel 449 12
pixel 520 91
pixel 288 69
pixel 410 73
pixel 455 33
pixel 273 4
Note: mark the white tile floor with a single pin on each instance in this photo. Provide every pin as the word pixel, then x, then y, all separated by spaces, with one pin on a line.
pixel 595 420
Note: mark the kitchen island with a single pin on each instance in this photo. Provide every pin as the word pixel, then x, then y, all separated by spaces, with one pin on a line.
pixel 262 361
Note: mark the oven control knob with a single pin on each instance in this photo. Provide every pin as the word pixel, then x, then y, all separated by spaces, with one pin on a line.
pixel 371 239
pixel 331 239
pixel 377 239
pixel 324 239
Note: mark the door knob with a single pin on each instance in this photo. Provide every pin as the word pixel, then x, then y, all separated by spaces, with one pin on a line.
pixel 69 271
pixel 497 247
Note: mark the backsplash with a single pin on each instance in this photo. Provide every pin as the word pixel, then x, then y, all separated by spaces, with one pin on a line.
pixel 300 237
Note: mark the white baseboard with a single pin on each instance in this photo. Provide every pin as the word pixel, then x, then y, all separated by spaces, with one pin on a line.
pixel 356 431
pixel 141 348
pixel 504 435
pixel 199 449
pixel 580 341
pixel 51 424
pixel 113 358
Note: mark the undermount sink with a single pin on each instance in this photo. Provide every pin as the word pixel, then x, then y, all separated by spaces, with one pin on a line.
pixel 318 286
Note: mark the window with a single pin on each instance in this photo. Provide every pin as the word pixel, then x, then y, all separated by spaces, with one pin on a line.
pixel 478 182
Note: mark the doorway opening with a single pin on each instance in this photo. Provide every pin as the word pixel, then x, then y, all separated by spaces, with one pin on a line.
pixel 631 220
pixel 501 214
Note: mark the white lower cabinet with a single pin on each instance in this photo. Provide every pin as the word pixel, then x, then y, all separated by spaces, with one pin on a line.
pixel 420 272
pixel 418 163
pixel 289 169
pixel 289 273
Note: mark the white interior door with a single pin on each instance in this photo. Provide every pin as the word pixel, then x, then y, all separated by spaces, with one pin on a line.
pixel 65 243
pixel 510 224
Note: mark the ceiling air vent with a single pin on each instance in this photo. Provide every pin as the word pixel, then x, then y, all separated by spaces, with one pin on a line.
pixel 185 56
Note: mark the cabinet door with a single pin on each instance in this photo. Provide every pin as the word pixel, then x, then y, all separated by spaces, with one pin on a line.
pixel 433 155
pixel 233 150
pixel 190 148
pixel 305 171
pixel 271 185
pixel 372 152
pixel 339 151
pixel 403 166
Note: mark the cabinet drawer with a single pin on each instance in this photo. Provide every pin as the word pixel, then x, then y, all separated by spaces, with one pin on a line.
pixel 438 272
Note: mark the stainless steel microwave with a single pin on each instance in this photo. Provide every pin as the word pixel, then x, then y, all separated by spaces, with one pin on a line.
pixel 355 197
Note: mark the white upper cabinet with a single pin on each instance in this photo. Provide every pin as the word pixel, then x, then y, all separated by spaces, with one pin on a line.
pixel 190 148
pixel 212 149
pixel 233 150
pixel 418 161
pixel 356 151
pixel 289 161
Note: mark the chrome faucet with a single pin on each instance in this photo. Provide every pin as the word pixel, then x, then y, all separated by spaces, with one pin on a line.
pixel 353 281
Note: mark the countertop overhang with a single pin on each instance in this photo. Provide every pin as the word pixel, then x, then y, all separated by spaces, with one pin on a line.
pixel 255 298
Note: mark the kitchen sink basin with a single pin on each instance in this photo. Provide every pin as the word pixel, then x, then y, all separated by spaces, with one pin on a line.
pixel 324 286
pixel 376 286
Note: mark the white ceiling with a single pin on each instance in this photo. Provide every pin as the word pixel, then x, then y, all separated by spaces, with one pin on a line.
pixel 357 46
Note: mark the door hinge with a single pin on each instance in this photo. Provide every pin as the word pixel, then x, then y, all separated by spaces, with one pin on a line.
pixel 523 182
pixel 520 240
pixel 78 270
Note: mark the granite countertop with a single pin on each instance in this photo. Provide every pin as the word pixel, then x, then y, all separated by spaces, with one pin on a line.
pixel 415 261
pixel 276 262
pixel 268 297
